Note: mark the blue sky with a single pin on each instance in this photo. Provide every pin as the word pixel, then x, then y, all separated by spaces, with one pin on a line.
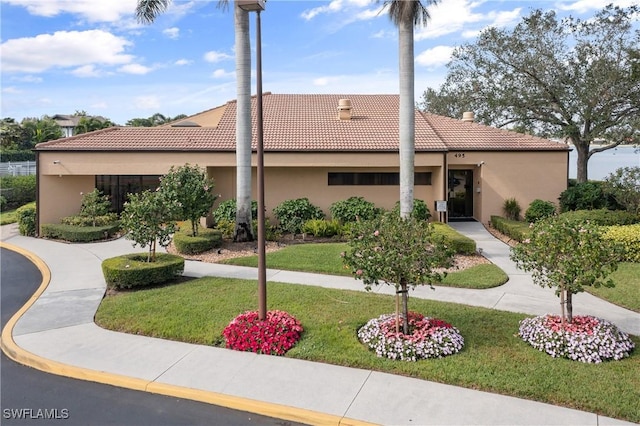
pixel 59 56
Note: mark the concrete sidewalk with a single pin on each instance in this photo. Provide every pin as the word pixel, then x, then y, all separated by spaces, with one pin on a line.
pixel 55 332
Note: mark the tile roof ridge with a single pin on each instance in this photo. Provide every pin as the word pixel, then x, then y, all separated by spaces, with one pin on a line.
pixel 426 119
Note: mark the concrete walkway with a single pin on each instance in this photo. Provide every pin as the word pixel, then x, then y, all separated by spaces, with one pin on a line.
pixel 55 332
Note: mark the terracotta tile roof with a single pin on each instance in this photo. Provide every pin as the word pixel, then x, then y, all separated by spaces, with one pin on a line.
pixel 308 123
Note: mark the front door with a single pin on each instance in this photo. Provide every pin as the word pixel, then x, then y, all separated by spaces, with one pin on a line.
pixel 460 197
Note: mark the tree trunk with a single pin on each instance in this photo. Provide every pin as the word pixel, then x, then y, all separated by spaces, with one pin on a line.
pixel 405 306
pixel 406 116
pixel 243 231
pixel 569 307
pixel 582 149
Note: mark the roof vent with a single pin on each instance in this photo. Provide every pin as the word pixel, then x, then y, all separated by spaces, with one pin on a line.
pixel 344 109
pixel 468 116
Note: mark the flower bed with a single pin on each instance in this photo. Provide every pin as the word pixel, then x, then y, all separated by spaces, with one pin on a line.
pixel 586 339
pixel 278 333
pixel 428 338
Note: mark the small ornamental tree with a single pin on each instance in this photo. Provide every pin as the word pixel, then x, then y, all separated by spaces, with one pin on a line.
pixel 567 255
pixel 94 204
pixel 624 186
pixel 148 219
pixel 404 253
pixel 189 188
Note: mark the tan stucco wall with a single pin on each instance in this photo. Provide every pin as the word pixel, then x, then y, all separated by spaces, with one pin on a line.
pixel 60 196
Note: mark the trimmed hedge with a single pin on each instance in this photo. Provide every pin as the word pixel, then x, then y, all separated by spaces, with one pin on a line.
pixel 79 220
pixel 27 220
pixel 206 239
pixel 460 243
pixel 18 190
pixel 322 227
pixel 604 217
pixel 133 270
pixel 516 230
pixel 78 234
pixel 9 155
pixel 628 236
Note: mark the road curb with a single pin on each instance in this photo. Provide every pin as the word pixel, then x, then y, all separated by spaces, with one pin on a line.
pixel 19 355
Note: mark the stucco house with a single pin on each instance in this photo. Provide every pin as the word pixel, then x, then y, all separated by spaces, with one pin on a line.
pixel 324 147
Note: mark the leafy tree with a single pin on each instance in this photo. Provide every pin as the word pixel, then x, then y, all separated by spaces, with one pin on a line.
pixel 189 188
pixel 402 252
pixel 567 255
pixel 406 14
pixel 572 79
pixel 156 119
pixel 88 124
pixel 94 204
pixel 13 136
pixel 148 219
pixel 624 186
pixel 292 214
pixel 40 130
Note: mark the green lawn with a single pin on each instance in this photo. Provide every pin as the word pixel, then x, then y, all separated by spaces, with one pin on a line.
pixel 325 259
pixel 494 358
pixel 8 216
pixel 626 293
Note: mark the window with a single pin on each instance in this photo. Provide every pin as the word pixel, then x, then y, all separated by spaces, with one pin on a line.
pixel 375 178
pixel 117 187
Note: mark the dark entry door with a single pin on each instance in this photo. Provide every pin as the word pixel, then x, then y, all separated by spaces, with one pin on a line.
pixel 460 198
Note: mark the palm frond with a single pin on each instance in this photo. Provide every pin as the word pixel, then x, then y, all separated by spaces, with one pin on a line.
pixel 415 11
pixel 148 10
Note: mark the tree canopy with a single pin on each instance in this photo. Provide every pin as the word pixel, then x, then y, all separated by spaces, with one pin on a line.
pixel 570 79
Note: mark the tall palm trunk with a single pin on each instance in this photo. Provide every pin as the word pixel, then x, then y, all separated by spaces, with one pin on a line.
pixel 406 116
pixel 243 230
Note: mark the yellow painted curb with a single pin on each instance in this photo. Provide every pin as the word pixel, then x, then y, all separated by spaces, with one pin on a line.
pixel 16 353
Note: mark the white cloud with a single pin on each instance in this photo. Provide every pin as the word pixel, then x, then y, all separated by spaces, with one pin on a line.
pixel 221 73
pixel 182 62
pixel 135 69
pixel 64 49
pixel 435 57
pixel 86 71
pixel 91 10
pixel 11 90
pixel 214 56
pixel 147 102
pixel 172 33
pixel 583 6
pixel 27 79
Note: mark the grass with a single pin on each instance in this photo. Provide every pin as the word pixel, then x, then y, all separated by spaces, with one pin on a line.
pixel 494 359
pixel 8 216
pixel 325 258
pixel 626 293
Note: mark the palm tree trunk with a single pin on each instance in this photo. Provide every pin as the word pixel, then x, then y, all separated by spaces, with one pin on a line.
pixel 406 116
pixel 243 126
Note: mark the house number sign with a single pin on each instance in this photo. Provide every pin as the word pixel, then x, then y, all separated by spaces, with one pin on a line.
pixel 459 155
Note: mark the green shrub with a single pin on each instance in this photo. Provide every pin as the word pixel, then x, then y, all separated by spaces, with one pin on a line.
pixel 458 242
pixel 516 230
pixel 206 239
pixel 3 203
pixel 322 227
pixel 226 228
pixel 11 155
pixel 420 210
pixel 271 232
pixel 226 211
pixel 353 209
pixel 511 209
pixel 539 209
pixel 586 196
pixel 27 219
pixel 133 270
pixel 105 220
pixel 628 236
pixel 292 214
pixel 18 190
pixel 604 217
pixel 78 234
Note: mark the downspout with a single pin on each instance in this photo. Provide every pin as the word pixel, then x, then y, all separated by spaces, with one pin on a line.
pixel 445 185
pixel 37 193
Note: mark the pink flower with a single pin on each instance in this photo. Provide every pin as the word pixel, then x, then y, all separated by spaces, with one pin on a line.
pixel 375 234
pixel 359 272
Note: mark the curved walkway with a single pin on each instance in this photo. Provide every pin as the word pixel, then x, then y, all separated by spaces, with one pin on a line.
pixel 55 332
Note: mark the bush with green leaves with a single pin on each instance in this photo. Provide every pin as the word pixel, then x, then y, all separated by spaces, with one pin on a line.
pixel 514 229
pixel 18 190
pixel 226 211
pixel 226 228
pixel 206 240
pixel 420 210
pixel 94 204
pixel 567 255
pixel 604 217
pixel 27 220
pixel 353 209
pixel 78 234
pixel 3 203
pixel 539 209
pixel 628 238
pixel 322 227
pixel 133 270
pixel 459 243
pixel 623 185
pixel 585 196
pixel 404 253
pixel 148 219
pixel 79 220
pixel 292 214
pixel 511 209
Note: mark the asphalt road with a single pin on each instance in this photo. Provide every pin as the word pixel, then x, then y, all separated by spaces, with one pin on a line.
pixel 27 395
